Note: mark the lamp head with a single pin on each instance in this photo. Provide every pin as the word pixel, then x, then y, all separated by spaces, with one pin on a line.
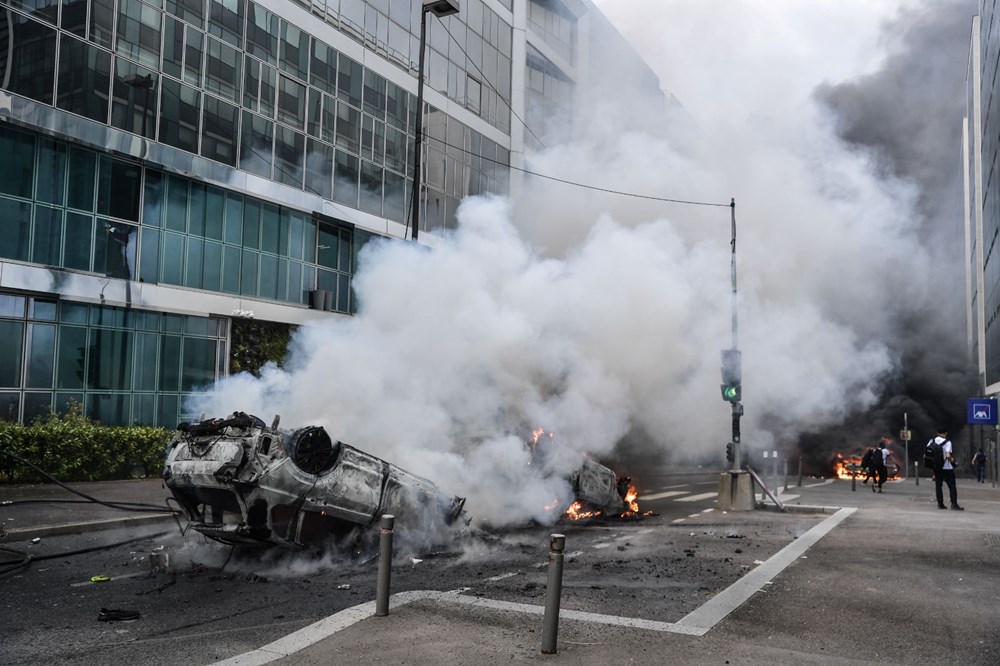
pixel 441 8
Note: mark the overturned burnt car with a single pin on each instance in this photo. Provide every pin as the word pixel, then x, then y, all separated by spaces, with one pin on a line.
pixel 242 482
pixel 599 490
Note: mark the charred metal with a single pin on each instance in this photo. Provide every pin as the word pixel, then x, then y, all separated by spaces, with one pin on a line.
pixel 242 482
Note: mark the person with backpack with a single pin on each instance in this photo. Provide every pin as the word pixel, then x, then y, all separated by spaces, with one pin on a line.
pixel 868 465
pixel 938 456
pixel 979 460
pixel 881 457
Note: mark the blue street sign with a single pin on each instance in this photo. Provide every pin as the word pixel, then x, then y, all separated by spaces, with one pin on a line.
pixel 982 411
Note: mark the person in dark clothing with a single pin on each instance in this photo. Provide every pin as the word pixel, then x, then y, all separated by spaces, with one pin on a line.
pixel 946 472
pixel 979 460
pixel 871 469
pixel 881 473
pixel 868 466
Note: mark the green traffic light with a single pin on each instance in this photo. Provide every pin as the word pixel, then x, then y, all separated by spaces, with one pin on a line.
pixel 729 392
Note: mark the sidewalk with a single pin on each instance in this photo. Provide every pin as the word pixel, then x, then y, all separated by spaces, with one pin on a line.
pixel 924 579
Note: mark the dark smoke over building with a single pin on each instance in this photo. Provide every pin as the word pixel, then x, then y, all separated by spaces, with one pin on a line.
pixel 906 116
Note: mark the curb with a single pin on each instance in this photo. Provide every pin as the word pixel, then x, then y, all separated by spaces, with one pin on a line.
pixel 29 533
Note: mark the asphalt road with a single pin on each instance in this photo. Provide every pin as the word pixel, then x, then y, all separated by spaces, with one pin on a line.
pixel 213 602
pixel 896 582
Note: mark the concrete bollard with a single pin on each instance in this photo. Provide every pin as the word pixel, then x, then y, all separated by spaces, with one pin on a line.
pixel 384 565
pixel 553 590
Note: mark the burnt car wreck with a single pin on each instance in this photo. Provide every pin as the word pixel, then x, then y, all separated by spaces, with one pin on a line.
pixel 244 483
pixel 599 490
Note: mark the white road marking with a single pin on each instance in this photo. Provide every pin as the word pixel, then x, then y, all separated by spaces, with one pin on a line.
pixel 709 509
pixel 731 598
pixel 698 498
pixel 679 520
pixel 502 576
pixel 656 496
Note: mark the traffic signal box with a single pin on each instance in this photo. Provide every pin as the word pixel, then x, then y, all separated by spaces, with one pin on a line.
pixel 731 375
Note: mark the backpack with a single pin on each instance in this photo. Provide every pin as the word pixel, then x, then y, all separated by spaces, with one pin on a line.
pixel 867 461
pixel 934 455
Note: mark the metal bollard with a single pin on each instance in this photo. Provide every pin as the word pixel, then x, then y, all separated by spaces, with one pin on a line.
pixel 553 590
pixel 800 471
pixel 786 475
pixel 916 472
pixel 854 480
pixel 384 565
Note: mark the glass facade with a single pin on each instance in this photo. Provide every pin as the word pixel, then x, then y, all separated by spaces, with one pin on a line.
pixel 548 101
pixel 281 124
pixel 232 82
pixel 989 28
pixel 468 57
pixel 71 208
pixel 556 25
pixel 121 365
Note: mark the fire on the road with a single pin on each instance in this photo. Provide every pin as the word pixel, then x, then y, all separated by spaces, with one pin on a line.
pixel 599 491
pixel 849 466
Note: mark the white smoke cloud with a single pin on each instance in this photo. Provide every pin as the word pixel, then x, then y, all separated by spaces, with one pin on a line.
pixel 594 315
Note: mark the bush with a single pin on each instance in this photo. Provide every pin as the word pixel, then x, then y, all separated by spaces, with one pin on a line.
pixel 71 447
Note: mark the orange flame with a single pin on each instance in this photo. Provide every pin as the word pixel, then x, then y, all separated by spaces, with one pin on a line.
pixel 847 468
pixel 576 511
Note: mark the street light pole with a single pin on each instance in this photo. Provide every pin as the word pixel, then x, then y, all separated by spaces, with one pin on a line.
pixel 439 8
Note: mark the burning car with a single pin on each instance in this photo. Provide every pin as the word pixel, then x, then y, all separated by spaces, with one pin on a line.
pixel 597 489
pixel 242 482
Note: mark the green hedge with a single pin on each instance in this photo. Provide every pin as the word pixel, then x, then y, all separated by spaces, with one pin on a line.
pixel 71 447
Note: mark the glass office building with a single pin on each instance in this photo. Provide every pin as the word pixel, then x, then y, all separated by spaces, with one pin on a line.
pixel 171 164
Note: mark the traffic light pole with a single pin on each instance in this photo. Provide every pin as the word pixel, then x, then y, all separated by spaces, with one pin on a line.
pixel 736 491
pixel 737 405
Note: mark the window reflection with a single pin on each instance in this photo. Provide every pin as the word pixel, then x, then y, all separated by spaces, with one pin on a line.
pixel 218 141
pixel 133 106
pixel 179 115
pixel 27 56
pixel 115 250
pixel 256 144
pixel 226 20
pixel 84 79
pixel 289 147
pixel 222 70
pixel 139 32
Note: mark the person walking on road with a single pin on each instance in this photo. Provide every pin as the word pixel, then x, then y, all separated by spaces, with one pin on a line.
pixel 881 473
pixel 944 470
pixel 979 460
pixel 868 465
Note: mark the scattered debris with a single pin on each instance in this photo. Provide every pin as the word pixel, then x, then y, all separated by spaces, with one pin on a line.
pixel 99 579
pixel 159 589
pixel 345 586
pixel 117 615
